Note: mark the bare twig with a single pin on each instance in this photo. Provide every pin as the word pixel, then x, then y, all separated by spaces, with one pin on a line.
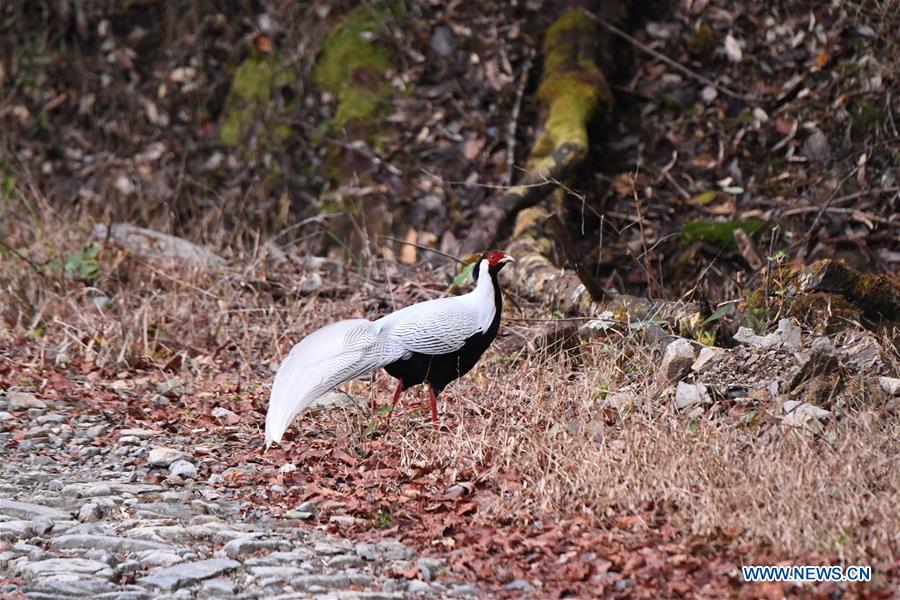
pixel 514 119
pixel 675 64
pixel 423 248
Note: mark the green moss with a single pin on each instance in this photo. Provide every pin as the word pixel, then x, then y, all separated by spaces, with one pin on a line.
pixel 867 115
pixel 249 100
pixel 572 87
pixel 720 234
pixel 352 67
pixel 703 42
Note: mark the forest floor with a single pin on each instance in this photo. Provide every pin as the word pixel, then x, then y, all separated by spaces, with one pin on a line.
pixel 588 472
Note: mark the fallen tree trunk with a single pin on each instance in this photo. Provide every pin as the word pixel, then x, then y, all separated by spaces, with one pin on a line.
pixel 573 87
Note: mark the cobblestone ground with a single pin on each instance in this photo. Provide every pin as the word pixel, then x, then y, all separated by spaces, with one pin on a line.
pixel 92 527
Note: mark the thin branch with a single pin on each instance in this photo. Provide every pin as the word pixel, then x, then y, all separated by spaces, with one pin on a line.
pixel 423 248
pixel 675 64
pixel 514 119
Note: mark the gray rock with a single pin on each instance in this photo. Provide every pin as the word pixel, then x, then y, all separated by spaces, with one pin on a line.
pixel 6 416
pixel 890 385
pixel 708 355
pixel 24 401
pixel 443 42
pixel 334 580
pixel 42 525
pixel 429 567
pixel 110 543
pixel 27 510
pixel 787 335
pixel 218 587
pixel 96 431
pixel 241 547
pixel 160 558
pixel 518 585
pixel 86 490
pixel 417 586
pixel 183 469
pixel 163 510
pixel 676 362
pixel 802 413
pixel 163 457
pixel 78 586
pixel 279 572
pixel 329 546
pixel 15 530
pixel 690 394
pixel 342 561
pixel 90 513
pixel 386 549
pixel 464 589
pixel 66 567
pixel 171 578
pixel 816 146
pixel 298 515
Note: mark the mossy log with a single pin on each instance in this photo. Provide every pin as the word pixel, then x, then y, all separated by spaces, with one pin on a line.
pixel 535 275
pixel 573 88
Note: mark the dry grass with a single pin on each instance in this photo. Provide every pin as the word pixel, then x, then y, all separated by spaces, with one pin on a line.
pixel 535 418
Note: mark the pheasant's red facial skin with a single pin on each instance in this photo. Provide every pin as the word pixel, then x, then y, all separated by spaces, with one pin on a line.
pixel 495 258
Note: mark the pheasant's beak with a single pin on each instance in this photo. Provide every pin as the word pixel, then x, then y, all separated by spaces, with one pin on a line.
pixel 506 258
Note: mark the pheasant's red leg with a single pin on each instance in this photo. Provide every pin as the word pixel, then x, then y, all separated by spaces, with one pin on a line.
pixel 433 407
pixel 396 397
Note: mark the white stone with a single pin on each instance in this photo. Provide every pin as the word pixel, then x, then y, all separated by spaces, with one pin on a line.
pixel 689 394
pixel 708 355
pixel 183 469
pixel 787 335
pixel 163 457
pixel 890 385
pixel 24 400
pixel 677 359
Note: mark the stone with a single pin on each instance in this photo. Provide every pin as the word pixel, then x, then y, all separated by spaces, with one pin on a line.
pixel 334 580
pixel 225 416
pixel 143 434
pixel 90 513
pixel 464 589
pixel 160 558
pixel 298 515
pixel 676 362
pixel 183 469
pixel 417 586
pixel 518 585
pixel 72 567
pixel 218 587
pixel 163 457
pixel 386 549
pixel 111 543
pixel 27 510
pixel 15 530
pixel 24 401
pixel 187 573
pixel 622 400
pixel 96 431
pixel 329 546
pixel 709 355
pixel 281 572
pixel 890 385
pixel 342 561
pixel 42 525
pixel 690 394
pixel 816 146
pixel 787 336
pixel 86 490
pixel 429 567
pixel 240 547
pixel 443 42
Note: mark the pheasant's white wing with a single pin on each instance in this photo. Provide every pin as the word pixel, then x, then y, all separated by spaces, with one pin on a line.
pixel 440 330
pixel 325 358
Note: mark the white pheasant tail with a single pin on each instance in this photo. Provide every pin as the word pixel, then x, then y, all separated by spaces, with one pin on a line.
pixel 347 349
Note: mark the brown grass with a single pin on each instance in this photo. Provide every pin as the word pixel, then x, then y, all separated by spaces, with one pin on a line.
pixel 533 417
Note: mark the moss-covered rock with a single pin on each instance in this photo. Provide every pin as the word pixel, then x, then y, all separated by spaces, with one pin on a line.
pixel 250 102
pixel 720 234
pixel 353 67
